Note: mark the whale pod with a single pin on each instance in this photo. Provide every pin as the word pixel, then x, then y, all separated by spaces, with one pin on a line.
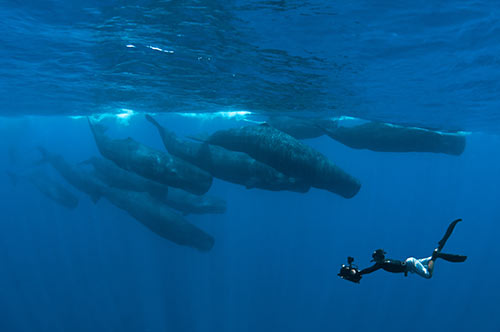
pixel 117 177
pixel 231 166
pixel 147 210
pixel 179 199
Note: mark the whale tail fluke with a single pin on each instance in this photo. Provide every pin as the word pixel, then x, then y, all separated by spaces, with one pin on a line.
pixel 98 130
pixel 153 121
pixel 169 138
pixel 99 133
pixel 93 127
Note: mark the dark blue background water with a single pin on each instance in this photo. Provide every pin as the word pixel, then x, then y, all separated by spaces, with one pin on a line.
pixel 274 264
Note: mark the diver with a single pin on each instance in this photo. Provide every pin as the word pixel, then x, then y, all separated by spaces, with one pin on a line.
pixel 424 267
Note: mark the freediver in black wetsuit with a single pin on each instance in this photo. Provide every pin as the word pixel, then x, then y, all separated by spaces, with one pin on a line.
pixel 423 267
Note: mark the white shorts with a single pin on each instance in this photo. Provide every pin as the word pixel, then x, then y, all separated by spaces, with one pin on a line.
pixel 419 266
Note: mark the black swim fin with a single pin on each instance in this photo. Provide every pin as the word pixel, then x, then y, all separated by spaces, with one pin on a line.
pixel 450 229
pixel 452 257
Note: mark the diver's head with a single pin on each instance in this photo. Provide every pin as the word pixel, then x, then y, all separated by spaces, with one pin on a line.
pixel 378 255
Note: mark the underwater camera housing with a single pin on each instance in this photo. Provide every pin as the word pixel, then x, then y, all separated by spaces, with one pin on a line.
pixel 350 272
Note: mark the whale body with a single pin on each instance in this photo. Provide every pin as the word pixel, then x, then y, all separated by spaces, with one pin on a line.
pixel 77 176
pixel 152 164
pixel 287 155
pixel 384 137
pixel 159 218
pixel 300 128
pixel 53 189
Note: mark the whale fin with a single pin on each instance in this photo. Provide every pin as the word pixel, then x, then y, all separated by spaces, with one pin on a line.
pixel 199 138
pixel 95 198
pixel 45 156
pixel 85 162
pixel 328 125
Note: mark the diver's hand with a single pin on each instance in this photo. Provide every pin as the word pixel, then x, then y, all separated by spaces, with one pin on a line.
pixel 356 275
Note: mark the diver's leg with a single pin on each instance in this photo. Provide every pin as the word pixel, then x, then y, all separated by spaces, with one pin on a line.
pixel 441 243
pixel 428 263
pixel 415 266
pixel 431 261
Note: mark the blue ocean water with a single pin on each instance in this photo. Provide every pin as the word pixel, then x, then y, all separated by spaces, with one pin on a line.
pixel 200 66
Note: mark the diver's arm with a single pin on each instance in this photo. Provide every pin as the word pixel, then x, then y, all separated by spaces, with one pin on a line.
pixel 370 269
